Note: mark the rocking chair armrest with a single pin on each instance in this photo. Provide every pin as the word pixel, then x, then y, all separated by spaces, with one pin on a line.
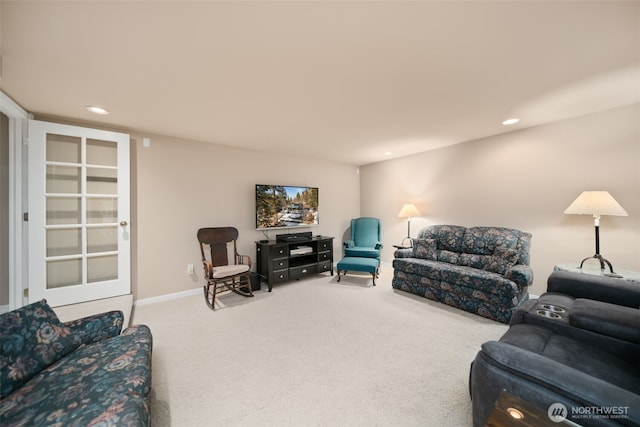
pixel 243 259
pixel 208 268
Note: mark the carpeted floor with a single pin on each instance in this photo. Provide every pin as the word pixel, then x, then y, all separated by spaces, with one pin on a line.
pixel 314 353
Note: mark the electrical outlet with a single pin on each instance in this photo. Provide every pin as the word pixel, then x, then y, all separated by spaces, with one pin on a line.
pixel 189 268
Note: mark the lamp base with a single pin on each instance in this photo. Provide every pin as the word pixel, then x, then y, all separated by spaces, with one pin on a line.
pixel 603 261
pixel 410 242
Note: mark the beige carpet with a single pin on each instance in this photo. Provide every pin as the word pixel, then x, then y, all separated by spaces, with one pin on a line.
pixel 314 353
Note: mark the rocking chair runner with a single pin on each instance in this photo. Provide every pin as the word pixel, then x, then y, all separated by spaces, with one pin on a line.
pixel 218 273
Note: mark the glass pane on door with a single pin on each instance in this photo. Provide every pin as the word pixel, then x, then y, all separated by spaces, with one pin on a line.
pixel 63 242
pixel 102 181
pixel 102 210
pixel 62 273
pixel 63 210
pixel 102 268
pixel 103 153
pixel 63 179
pixel 63 148
pixel 102 239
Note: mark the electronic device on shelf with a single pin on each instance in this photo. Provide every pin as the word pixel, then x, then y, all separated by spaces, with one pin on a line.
pixel 301 250
pixel 294 237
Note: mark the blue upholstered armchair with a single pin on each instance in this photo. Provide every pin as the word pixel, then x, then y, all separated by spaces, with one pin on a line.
pixel 365 238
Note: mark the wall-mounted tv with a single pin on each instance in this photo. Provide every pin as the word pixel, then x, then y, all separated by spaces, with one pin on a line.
pixel 284 206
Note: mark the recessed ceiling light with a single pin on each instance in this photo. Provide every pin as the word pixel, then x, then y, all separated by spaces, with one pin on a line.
pixel 387 153
pixel 96 109
pixel 510 122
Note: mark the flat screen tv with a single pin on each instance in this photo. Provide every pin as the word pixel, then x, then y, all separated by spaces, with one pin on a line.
pixel 283 206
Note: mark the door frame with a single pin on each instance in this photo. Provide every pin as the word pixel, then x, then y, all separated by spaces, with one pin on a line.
pixel 18 161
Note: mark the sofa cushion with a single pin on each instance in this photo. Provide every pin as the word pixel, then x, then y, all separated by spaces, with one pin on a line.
pixel 449 257
pixel 425 249
pixel 449 237
pixel 360 251
pixel 32 338
pixel 503 259
pixel 484 240
pixel 499 262
pixel 419 266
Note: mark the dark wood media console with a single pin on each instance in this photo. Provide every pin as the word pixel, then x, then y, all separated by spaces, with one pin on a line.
pixel 293 258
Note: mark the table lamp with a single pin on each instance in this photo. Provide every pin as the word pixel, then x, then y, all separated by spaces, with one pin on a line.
pixel 408 211
pixel 596 203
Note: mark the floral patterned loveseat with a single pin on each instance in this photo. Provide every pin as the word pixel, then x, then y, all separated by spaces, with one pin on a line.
pixel 78 373
pixel 483 270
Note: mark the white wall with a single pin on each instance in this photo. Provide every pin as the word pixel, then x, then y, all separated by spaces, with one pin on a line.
pixel 180 186
pixel 524 179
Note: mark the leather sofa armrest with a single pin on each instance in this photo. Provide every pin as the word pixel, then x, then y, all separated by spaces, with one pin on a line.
pixel 606 319
pixel 563 380
pixel 599 288
pixel 521 274
pixel 97 327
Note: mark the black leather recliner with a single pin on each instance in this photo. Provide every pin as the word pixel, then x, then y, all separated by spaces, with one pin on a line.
pixel 577 345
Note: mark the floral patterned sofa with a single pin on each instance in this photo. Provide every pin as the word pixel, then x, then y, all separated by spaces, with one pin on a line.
pixel 483 270
pixel 77 373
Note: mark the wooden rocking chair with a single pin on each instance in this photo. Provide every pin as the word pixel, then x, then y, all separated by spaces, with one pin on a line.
pixel 218 272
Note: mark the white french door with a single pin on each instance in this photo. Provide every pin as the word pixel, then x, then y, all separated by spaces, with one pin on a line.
pixel 79 240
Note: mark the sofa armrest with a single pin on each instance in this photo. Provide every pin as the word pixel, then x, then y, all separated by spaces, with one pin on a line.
pixel 349 243
pixel 607 319
pixel 403 253
pixel 520 274
pixel 379 245
pixel 599 288
pixel 560 379
pixel 97 327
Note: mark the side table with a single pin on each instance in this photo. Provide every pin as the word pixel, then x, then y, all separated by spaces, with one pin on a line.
pixel 402 247
pixel 629 275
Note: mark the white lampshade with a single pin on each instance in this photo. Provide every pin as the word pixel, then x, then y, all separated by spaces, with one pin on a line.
pixel 595 203
pixel 408 211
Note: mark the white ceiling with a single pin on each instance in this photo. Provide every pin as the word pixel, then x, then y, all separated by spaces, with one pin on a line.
pixel 341 80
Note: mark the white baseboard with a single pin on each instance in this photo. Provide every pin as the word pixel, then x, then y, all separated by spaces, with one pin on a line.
pixel 168 297
pixel 191 292
pixel 4 308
